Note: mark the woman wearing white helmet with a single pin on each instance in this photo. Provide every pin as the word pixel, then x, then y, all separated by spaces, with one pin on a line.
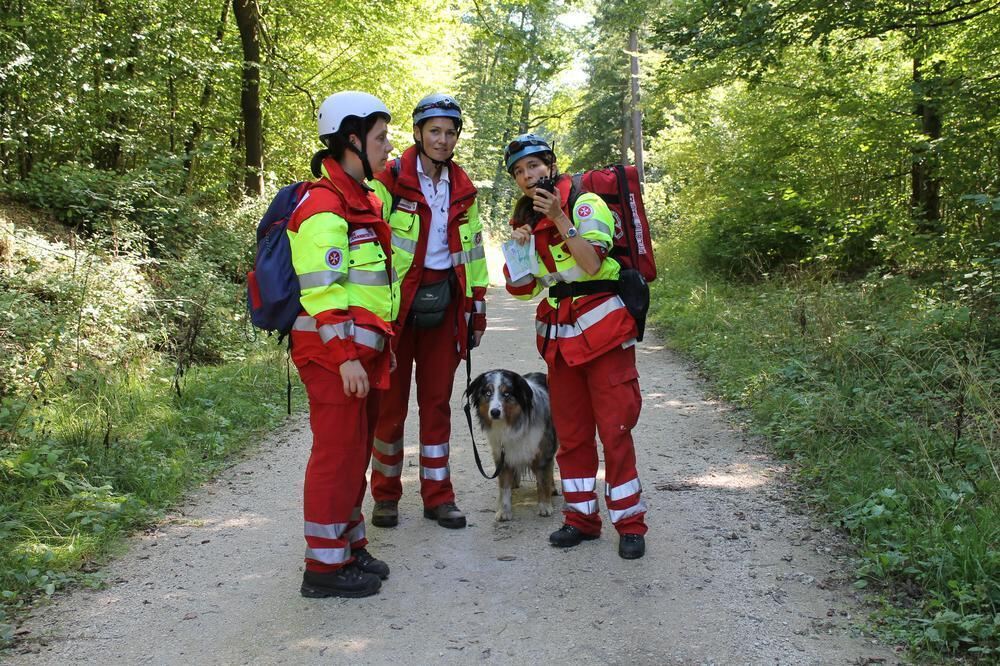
pixel 340 342
pixel 438 253
pixel 587 338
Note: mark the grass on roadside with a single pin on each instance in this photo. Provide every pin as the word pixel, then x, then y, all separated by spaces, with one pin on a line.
pixel 888 400
pixel 97 462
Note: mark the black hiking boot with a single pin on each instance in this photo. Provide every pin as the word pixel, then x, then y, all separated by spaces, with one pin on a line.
pixel 446 515
pixel 568 536
pixel 369 564
pixel 631 546
pixel 349 581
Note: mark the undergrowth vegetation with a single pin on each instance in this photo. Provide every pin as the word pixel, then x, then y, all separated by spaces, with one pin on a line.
pixel 127 374
pixel 885 392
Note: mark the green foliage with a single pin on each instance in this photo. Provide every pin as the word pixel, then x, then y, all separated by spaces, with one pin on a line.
pixel 104 458
pixel 885 393
pixel 107 411
pixel 874 119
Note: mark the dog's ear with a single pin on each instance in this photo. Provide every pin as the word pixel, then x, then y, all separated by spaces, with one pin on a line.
pixel 474 390
pixel 525 394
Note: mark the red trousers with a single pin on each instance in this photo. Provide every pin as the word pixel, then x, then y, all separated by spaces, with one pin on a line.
pixel 343 427
pixel 434 351
pixel 601 395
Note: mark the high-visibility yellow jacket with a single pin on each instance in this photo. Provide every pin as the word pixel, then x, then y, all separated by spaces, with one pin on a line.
pixel 410 224
pixel 341 254
pixel 579 327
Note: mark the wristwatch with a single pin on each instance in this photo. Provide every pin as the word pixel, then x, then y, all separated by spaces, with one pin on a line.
pixel 570 233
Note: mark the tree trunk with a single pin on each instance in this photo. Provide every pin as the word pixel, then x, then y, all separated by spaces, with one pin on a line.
pixel 248 20
pixel 925 191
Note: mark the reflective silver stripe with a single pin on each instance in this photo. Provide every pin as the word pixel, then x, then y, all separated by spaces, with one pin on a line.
pixel 370 278
pixel 584 485
pixel 363 336
pixel 586 508
pixel 467 256
pixel 320 279
pixel 624 490
pixel 404 244
pixel 330 531
pixel 521 282
pixel 344 330
pixel 434 450
pixel 387 470
pixel 549 279
pixel 583 322
pixel 328 555
pixel 434 473
pixel 571 274
pixel 618 516
pixel 388 448
pixel 479 307
pixel 356 533
pixel 592 225
pixel 326 332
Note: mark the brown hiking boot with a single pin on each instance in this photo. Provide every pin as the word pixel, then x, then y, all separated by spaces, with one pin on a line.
pixel 385 513
pixel 446 515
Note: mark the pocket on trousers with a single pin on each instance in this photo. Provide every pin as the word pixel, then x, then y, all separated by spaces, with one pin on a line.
pixel 625 383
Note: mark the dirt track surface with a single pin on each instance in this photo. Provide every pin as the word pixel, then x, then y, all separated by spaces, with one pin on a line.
pixel 734 572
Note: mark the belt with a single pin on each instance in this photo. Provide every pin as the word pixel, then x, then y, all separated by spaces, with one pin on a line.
pixel 563 290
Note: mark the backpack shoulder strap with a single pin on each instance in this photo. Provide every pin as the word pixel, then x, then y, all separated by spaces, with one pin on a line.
pixel 394 168
pixel 628 223
pixel 575 190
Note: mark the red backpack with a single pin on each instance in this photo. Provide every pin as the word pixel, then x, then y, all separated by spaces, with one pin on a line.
pixel 618 185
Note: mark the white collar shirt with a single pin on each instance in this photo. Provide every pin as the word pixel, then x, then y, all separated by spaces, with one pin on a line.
pixel 438 199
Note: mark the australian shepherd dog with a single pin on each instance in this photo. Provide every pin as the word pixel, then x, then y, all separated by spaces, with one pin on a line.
pixel 515 414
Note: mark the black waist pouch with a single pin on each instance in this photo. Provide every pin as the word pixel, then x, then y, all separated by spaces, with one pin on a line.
pixel 634 292
pixel 430 303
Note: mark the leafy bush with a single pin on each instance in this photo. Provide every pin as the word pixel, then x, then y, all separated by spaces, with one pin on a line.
pixel 886 394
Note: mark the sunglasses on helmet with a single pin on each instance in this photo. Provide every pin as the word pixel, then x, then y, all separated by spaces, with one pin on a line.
pixel 440 104
pixel 517 146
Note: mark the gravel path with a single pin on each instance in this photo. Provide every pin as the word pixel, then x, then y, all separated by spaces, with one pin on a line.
pixel 735 573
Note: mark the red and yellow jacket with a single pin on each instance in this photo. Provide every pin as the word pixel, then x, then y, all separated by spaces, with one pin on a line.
pixel 341 254
pixel 410 224
pixel 580 328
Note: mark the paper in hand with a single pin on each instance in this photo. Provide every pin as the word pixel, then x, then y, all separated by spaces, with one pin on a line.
pixel 521 260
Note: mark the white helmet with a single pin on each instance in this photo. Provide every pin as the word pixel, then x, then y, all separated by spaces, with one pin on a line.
pixel 340 105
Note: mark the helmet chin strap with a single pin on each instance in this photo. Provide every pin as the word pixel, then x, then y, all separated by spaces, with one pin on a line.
pixel 438 163
pixel 420 149
pixel 363 156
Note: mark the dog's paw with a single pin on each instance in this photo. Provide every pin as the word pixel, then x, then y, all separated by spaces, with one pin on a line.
pixel 544 509
pixel 503 516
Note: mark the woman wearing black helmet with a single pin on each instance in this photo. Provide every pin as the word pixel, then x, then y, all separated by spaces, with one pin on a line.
pixel 587 338
pixel 437 252
pixel 340 252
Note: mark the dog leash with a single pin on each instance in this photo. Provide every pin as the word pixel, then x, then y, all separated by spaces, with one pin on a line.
pixel 468 408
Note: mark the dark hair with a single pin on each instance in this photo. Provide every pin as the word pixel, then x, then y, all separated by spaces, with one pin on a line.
pixel 338 142
pixel 524 212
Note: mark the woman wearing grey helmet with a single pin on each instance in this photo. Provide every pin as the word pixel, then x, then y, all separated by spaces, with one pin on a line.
pixel 341 254
pixel 587 338
pixel 438 254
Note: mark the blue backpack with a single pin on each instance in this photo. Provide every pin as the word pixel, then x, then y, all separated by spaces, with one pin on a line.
pixel 272 286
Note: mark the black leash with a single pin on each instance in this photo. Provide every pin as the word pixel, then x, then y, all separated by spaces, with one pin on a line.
pixel 468 407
